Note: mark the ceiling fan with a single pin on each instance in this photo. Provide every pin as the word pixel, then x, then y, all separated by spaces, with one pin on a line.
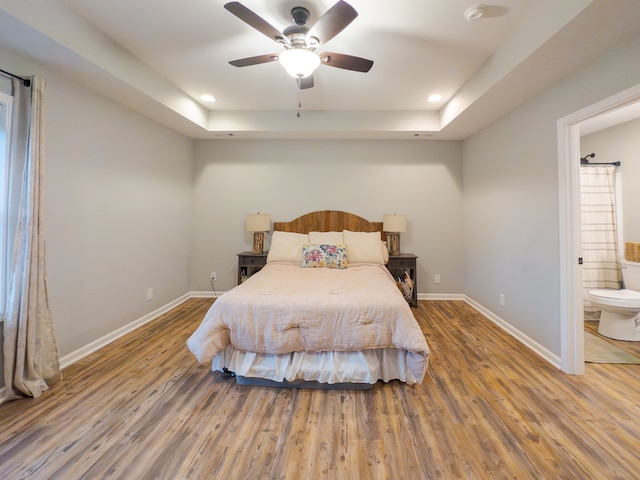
pixel 301 40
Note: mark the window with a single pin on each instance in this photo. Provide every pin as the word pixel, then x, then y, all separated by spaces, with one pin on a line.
pixel 5 135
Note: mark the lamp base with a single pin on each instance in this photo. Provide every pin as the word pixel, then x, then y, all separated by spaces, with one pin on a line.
pixel 258 242
pixel 393 240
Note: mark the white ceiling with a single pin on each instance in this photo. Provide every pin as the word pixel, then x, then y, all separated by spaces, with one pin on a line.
pixel 159 57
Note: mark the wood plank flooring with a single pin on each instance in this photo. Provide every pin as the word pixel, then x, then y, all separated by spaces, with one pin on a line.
pixel 141 408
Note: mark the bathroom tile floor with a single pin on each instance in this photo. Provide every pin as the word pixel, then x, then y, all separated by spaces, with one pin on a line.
pixel 631 347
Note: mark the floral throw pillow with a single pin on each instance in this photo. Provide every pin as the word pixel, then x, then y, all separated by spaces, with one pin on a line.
pixel 321 255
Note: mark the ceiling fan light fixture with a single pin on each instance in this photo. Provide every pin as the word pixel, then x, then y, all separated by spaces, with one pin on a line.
pixel 299 62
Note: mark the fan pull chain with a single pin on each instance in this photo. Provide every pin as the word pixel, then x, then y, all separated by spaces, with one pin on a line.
pixel 299 104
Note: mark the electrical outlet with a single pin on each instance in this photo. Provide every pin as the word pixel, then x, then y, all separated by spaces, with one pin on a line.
pixel 436 278
pixel 149 294
pixel 213 276
pixel 502 300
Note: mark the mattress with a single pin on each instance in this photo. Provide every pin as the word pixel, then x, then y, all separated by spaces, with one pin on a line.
pixel 287 323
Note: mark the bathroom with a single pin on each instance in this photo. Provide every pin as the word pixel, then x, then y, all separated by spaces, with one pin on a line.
pixel 619 143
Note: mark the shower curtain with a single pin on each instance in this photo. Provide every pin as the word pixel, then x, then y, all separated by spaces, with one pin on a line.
pixel 601 262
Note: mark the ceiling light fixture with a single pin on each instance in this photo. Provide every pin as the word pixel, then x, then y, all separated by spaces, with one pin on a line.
pixel 436 97
pixel 299 62
pixel 208 98
pixel 474 13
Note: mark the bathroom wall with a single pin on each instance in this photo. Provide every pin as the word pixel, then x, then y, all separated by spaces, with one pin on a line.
pixel 621 143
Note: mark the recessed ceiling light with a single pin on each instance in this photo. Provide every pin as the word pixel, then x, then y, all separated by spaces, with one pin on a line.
pixel 474 13
pixel 208 98
pixel 436 97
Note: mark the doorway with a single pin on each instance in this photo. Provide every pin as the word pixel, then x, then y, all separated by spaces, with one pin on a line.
pixel 597 116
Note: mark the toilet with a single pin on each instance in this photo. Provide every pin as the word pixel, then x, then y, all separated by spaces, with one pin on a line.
pixel 620 318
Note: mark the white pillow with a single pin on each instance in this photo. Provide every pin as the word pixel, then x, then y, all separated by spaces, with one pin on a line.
pixel 363 247
pixel 326 238
pixel 287 247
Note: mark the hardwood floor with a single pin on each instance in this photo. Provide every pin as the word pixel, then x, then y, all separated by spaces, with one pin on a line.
pixel 141 408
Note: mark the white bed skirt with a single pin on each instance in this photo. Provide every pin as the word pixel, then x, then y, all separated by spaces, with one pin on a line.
pixel 366 366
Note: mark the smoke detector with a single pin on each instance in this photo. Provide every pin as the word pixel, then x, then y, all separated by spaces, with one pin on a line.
pixel 474 13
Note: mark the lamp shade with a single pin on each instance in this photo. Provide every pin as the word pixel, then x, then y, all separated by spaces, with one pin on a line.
pixel 258 222
pixel 394 223
pixel 299 62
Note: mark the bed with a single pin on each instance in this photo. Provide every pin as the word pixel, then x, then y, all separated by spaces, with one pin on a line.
pixel 324 312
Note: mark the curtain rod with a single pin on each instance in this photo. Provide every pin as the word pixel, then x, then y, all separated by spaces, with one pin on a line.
pixel 585 161
pixel 25 81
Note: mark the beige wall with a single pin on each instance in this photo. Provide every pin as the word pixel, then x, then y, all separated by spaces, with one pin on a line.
pixel 422 179
pixel 117 213
pixel 511 198
pixel 118 192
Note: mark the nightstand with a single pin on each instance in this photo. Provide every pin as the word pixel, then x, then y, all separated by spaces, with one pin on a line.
pixel 250 263
pixel 403 267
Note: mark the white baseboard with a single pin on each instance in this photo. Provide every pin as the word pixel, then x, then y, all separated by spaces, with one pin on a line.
pixel 110 337
pixel 103 341
pixel 441 296
pixel 547 355
pixel 205 294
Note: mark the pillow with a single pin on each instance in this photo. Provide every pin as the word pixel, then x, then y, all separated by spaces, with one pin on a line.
pixel 322 255
pixel 286 247
pixel 364 247
pixel 326 238
pixel 385 253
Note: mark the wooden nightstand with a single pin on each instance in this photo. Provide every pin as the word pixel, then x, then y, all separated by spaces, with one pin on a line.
pixel 401 266
pixel 250 263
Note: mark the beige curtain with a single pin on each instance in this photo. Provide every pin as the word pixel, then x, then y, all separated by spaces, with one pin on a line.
pixel 30 352
pixel 601 263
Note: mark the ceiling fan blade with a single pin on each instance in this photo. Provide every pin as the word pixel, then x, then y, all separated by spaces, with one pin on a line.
pixel 348 62
pixel 246 62
pixel 257 22
pixel 305 82
pixel 332 22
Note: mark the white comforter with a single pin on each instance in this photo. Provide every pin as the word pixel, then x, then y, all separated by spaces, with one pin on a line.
pixel 285 308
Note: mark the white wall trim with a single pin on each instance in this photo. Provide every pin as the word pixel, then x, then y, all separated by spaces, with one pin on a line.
pixel 571 297
pixel 73 357
pixel 547 355
pixel 205 294
pixel 441 296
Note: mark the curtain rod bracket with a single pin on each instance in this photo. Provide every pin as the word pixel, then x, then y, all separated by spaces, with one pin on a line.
pixel 585 161
pixel 25 81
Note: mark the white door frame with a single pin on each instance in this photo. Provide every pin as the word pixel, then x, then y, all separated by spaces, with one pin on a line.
pixel 571 295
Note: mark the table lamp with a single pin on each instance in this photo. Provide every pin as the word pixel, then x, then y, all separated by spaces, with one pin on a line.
pixel 393 225
pixel 258 223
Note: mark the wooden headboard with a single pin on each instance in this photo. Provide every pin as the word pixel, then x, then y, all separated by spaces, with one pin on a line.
pixel 329 221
